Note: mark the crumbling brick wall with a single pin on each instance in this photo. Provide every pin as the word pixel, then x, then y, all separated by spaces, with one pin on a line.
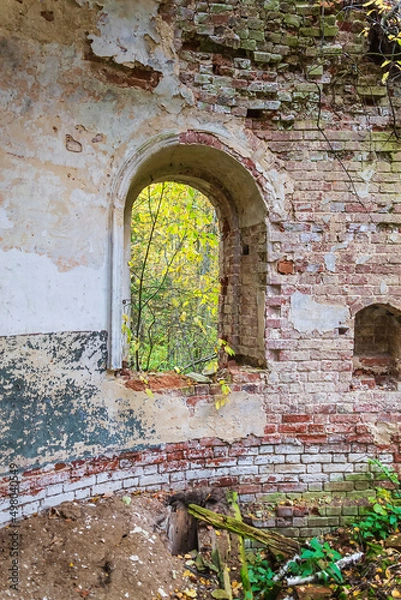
pixel 278 111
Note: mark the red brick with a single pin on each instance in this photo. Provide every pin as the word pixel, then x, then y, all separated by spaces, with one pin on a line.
pixel 173 447
pixel 224 481
pixel 295 418
pixel 250 489
pixel 302 428
pixel 174 465
pixel 174 456
pixel 314 428
pixel 270 429
pixel 204 453
pixel 213 442
pixel 60 466
pixel 284 511
pixel 313 439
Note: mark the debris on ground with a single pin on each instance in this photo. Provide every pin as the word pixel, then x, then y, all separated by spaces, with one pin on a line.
pixel 118 548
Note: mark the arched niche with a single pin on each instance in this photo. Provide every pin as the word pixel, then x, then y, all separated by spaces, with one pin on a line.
pixel 377 342
pixel 206 164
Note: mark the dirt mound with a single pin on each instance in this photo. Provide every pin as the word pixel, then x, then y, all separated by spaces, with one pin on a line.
pixel 99 549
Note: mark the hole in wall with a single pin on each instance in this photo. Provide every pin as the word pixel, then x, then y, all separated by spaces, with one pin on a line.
pixel 254 113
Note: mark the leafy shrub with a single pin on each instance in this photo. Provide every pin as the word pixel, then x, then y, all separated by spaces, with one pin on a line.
pixel 317 558
pixel 261 577
pixel 384 516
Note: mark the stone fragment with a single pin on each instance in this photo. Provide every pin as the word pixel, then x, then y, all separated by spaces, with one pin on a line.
pixel 285 267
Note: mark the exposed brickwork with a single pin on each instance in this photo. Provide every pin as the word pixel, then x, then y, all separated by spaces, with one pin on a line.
pixel 251 60
pixel 310 285
pixel 309 451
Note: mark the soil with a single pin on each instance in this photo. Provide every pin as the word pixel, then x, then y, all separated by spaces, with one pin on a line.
pixel 117 547
pixel 100 549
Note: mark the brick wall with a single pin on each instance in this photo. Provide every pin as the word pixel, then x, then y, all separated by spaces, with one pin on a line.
pixel 300 106
pixel 310 451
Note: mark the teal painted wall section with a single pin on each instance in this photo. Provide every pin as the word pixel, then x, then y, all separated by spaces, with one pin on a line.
pixel 51 400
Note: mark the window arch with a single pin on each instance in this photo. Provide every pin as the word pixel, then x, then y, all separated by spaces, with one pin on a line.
pixel 201 161
pixel 377 343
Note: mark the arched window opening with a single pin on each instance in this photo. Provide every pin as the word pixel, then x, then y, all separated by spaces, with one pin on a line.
pixel 377 346
pixel 174 270
pixel 207 165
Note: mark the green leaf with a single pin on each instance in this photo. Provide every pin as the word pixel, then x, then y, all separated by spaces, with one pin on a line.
pixel 337 575
pixel 378 508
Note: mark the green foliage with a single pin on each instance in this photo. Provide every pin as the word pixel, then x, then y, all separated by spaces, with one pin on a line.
pixel 317 558
pixel 320 561
pixel 174 278
pixel 261 577
pixel 384 516
pixel 387 473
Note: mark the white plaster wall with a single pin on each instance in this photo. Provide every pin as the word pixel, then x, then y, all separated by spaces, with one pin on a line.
pixel 37 297
pixel 66 132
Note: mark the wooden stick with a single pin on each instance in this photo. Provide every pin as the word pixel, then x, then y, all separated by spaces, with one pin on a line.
pixel 278 544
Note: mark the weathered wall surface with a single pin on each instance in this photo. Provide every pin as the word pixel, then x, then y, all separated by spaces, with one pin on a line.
pixel 289 95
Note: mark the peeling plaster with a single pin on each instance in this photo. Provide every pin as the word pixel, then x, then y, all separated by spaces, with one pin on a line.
pixel 127 33
pixel 364 258
pixel 330 262
pixel 48 383
pixel 135 35
pixel 59 403
pixel 383 432
pixel 167 418
pixel 383 287
pixel 330 258
pixel 26 19
pixel 306 315
pixel 363 187
pixel 281 185
pixel 5 222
